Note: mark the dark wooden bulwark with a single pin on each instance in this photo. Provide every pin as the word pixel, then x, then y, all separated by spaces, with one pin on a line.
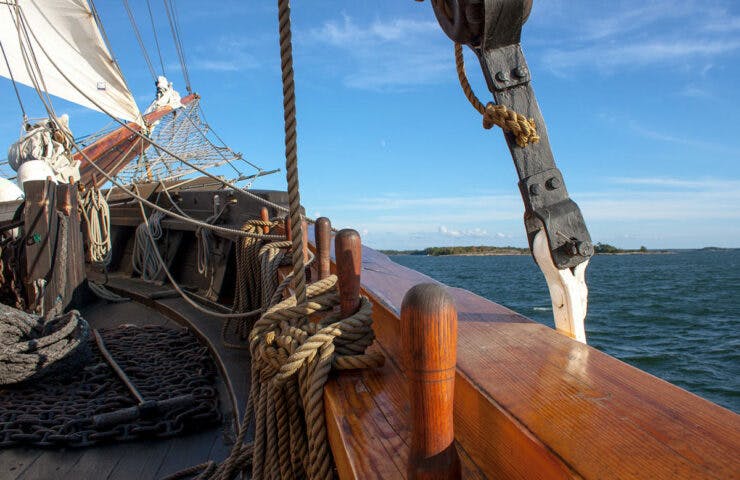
pixel 529 403
pixel 54 258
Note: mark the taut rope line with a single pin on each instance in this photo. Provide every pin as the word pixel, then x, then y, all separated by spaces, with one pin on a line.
pixel 291 149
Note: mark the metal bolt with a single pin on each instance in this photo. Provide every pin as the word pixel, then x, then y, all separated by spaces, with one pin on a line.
pixel 520 71
pixel 585 249
pixel 535 189
pixel 502 76
pixel 553 183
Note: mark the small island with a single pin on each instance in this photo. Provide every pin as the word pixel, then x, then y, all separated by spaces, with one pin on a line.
pixel 486 250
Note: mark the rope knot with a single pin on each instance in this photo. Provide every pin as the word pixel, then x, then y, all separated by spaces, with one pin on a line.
pixel 523 128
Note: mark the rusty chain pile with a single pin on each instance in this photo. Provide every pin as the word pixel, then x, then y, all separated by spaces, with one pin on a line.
pixel 162 363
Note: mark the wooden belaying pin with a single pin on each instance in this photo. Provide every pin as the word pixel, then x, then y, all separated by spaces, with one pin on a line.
pixel 64 198
pixel 348 253
pixel 322 238
pixel 288 231
pixel 265 217
pixel 304 239
pixel 429 337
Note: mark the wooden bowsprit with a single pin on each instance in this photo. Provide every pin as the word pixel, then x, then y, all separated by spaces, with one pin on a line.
pixel 554 223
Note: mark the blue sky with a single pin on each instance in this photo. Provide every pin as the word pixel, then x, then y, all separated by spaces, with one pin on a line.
pixel 640 98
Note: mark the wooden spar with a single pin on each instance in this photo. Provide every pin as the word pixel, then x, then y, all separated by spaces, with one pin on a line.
pixel 348 251
pixel 107 152
pixel 322 237
pixel 429 334
pixel 265 217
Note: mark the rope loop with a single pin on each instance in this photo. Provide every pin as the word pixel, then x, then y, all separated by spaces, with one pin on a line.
pixel 523 128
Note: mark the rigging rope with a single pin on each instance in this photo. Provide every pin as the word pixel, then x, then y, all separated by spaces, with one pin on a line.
pixel 137 33
pixel 523 128
pixel 174 28
pixel 50 109
pixel 291 148
pixel 15 86
pixel 156 37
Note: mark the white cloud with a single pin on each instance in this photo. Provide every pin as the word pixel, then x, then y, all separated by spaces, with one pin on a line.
pixel 607 58
pixel 225 54
pixel 645 205
pixel 387 54
pixel 611 38
pixel 469 233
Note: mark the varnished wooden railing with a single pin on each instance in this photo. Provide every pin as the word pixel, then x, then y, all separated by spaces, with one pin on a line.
pixel 529 403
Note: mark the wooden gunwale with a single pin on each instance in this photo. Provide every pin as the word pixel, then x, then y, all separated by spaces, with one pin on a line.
pixel 531 403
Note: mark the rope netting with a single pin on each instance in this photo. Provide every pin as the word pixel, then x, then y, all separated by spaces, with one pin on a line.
pixel 182 136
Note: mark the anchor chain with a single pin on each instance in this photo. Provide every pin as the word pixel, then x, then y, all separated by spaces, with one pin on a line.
pixel 163 363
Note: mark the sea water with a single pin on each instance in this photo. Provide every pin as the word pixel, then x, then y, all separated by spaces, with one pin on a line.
pixel 675 315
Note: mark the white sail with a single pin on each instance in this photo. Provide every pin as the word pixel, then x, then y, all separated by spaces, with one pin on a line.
pixel 66 31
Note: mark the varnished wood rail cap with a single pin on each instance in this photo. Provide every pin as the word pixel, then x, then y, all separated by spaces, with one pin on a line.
pixel 348 254
pixel 265 217
pixel 429 338
pixel 322 234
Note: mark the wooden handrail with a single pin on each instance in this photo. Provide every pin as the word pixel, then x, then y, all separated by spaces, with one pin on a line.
pixel 429 332
pixel 531 403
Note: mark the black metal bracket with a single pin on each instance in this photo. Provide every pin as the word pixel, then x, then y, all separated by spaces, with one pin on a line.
pixel 492 29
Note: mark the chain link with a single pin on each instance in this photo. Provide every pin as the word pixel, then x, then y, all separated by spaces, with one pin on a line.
pixel 163 363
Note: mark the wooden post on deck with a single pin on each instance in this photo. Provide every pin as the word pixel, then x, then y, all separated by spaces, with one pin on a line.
pixel 322 234
pixel 429 335
pixel 348 253
pixel 288 231
pixel 39 228
pixel 265 217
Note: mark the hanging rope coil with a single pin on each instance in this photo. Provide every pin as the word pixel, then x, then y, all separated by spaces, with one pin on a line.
pixel 95 211
pixel 291 360
pixel 30 345
pixel 144 260
pixel 523 128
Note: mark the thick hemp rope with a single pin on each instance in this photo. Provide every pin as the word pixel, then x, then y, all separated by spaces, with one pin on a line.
pixel 291 360
pixel 523 128
pixel 31 345
pixel 291 148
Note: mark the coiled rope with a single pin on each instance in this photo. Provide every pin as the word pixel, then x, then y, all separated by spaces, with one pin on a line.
pixel 94 210
pixel 144 261
pixel 523 128
pixel 30 345
pixel 291 360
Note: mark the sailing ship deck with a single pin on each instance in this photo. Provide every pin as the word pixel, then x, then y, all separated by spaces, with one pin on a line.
pixel 142 459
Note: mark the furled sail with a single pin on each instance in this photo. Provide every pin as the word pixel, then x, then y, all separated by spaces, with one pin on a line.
pixel 31 31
